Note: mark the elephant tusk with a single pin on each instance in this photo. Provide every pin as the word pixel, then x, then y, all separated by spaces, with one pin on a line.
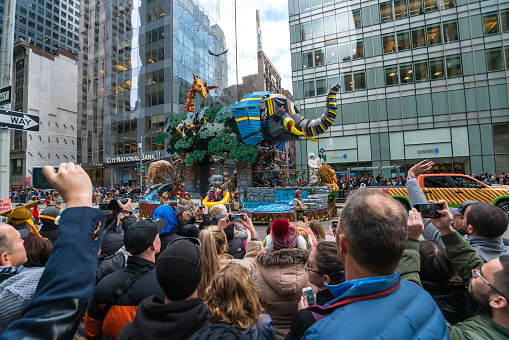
pixel 312 139
pixel 296 132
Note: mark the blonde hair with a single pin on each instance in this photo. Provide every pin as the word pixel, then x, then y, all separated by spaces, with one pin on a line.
pixel 317 229
pixel 213 240
pixel 299 224
pixel 232 298
pixel 217 209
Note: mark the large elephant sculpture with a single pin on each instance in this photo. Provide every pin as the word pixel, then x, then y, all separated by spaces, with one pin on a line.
pixel 277 116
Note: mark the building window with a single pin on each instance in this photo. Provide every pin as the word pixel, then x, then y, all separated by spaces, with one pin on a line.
pixel 344 52
pixel 319 57
pixel 348 82
pixel 415 7
pixel 431 5
pixel 17 166
pixel 331 54
pixel 317 28
pixel 507 57
pixel 357 49
pixel 391 75
pixel 22 20
pixel 406 73
pixel 309 88
pixel 20 65
pixel 400 9
pixel 307 59
pixel 418 38
pixel 155 77
pixel 342 22
pixel 436 66
pixel 386 12
pixel 305 31
pixel 356 14
pixel 389 43
pixel 504 18
pixel 453 64
pixel 321 86
pixel 494 59
pixel 359 80
pixel 403 40
pixel 19 97
pixel 434 35
pixel 329 25
pixel 450 31
pixel 19 81
pixel 490 23
pixel 304 6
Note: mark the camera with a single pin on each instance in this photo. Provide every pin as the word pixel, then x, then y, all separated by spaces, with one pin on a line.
pixel 113 204
pixel 429 210
pixel 236 217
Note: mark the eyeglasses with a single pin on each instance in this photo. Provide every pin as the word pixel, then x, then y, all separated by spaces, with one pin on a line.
pixel 477 272
pixel 307 269
pixel 192 240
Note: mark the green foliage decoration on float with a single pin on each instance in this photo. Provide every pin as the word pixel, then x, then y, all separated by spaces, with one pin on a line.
pixel 195 157
pixel 244 153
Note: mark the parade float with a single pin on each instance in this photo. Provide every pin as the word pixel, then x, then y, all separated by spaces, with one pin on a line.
pixel 248 133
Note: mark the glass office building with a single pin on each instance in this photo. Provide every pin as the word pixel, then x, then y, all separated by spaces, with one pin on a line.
pixel 137 62
pixel 47 24
pixel 420 79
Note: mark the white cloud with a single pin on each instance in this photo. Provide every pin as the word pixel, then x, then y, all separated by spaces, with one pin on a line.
pixel 276 37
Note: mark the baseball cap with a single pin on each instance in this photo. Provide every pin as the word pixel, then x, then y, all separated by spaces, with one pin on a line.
pixel 181 256
pixel 139 236
pixel 461 209
pixel 180 209
pixel 23 233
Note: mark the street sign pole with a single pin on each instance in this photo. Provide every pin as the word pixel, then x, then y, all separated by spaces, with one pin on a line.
pixel 6 56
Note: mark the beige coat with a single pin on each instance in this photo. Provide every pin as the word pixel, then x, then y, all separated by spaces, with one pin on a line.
pixel 280 277
pixel 253 249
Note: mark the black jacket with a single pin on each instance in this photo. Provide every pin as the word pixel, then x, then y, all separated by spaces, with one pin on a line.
pixel 236 248
pixel 156 320
pixel 453 300
pixel 187 228
pixel 303 319
pixel 110 322
pixel 49 231
pixel 111 242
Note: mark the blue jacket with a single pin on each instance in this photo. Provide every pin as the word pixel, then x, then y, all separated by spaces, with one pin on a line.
pixel 67 282
pixel 384 307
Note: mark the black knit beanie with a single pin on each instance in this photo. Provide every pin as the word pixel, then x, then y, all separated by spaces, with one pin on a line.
pixel 218 331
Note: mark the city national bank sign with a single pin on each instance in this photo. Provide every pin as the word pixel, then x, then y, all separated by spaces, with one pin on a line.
pixel 119 159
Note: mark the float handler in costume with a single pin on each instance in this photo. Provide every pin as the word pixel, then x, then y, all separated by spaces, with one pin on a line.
pixel 20 215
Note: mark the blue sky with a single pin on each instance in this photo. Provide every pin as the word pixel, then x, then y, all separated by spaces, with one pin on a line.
pixel 274 18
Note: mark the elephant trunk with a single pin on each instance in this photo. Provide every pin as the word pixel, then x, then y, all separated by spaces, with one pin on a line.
pixel 301 126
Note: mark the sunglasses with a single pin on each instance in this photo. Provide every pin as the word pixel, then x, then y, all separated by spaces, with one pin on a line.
pixel 192 240
pixel 307 269
pixel 477 272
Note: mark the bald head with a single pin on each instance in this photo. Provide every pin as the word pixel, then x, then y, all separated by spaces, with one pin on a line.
pixel 375 228
pixel 12 251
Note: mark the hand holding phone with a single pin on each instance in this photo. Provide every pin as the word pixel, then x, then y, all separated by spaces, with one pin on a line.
pixel 236 217
pixel 308 293
pixel 334 225
pixel 429 210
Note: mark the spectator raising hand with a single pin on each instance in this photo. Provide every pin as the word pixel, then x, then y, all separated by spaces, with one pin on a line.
pixel 415 224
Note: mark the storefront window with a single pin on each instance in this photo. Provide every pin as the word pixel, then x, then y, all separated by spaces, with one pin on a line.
pixel 436 66
pixel 400 10
pixel 406 74
pixel 309 88
pixel 391 75
pixel 307 59
pixel 418 38
pixel 490 23
pixel 388 43
pixel 505 20
pixel 494 59
pixel 434 35
pixel 331 54
pixel 450 31
pixel 386 12
pixel 344 52
pixel 348 82
pixel 305 31
pixel 319 57
pixel 403 40
pixel 357 18
pixel 415 7
pixel 342 21
pixel 357 49
pixel 321 86
pixel 329 25
pixel 453 66
pixel 431 5
pixel 359 80
pixel 317 28
pixel 421 70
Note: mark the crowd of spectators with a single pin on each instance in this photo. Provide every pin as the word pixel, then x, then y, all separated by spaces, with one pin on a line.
pixel 383 273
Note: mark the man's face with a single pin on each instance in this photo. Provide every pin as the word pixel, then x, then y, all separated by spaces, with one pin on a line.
pixel 458 222
pixel 479 289
pixel 19 255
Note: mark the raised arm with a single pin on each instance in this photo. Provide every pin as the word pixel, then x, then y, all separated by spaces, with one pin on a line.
pixel 68 280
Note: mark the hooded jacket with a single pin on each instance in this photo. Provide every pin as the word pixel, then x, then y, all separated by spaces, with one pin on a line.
pixel 280 276
pixel 156 319
pixel 49 231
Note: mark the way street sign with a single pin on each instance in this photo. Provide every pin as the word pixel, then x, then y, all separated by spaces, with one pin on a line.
pixel 19 120
pixel 5 95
